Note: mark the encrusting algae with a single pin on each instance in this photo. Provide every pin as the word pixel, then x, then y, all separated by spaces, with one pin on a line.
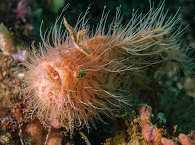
pixel 81 74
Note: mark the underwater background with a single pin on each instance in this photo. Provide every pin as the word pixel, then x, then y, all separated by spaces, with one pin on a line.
pixel 173 112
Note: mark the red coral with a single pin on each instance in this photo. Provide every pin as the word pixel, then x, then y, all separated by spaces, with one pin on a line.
pixel 145 113
pixel 166 141
pixel 150 132
pixel 185 140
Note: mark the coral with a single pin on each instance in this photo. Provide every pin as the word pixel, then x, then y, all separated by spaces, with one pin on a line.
pixel 185 140
pixel 166 141
pixel 21 11
pixel 8 46
pixel 149 132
